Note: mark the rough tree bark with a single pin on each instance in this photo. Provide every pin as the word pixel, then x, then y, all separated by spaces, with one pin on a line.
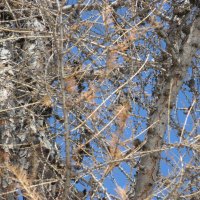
pixel 92 64
pixel 25 104
pixel 148 171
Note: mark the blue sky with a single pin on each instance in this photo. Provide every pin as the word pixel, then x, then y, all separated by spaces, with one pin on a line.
pixel 184 100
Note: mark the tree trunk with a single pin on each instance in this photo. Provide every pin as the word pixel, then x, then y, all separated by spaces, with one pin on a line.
pixel 25 105
pixel 149 166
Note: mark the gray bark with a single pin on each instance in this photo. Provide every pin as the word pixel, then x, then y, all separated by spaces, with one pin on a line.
pixel 24 136
pixel 28 52
pixel 149 166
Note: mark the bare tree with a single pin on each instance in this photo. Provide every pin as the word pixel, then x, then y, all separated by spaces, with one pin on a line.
pixel 99 99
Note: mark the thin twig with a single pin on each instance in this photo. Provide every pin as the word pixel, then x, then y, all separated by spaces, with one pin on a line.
pixel 65 111
pixel 115 91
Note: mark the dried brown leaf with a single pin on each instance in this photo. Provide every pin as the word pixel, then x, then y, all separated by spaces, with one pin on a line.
pixel 123 46
pixel 24 182
pixel 46 101
pixel 132 35
pixel 115 154
pixel 89 95
pixel 111 60
pixel 122 112
pixel 107 15
pixel 71 84
pixel 122 193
